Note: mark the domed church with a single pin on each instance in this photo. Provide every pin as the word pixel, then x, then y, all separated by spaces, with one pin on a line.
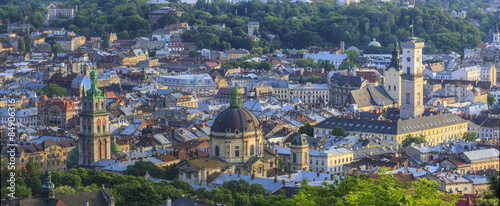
pixel 236 146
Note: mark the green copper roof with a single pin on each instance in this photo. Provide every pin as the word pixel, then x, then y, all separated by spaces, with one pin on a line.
pixel 374 42
pixel 93 91
pixel 73 156
pixel 300 140
pixel 236 98
pixel 115 147
pixel 48 181
pixel 395 61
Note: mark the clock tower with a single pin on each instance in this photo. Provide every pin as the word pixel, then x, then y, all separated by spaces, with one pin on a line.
pixel 412 80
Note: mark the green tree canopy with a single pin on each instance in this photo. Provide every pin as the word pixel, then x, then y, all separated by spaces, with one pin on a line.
pixel 339 131
pixel 56 48
pixel 490 99
pixel 141 167
pixel 306 129
pixel 52 90
pixel 469 136
pixel 413 139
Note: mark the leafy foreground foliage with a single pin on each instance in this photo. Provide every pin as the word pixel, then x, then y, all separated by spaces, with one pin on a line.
pixel 132 190
pixel 413 139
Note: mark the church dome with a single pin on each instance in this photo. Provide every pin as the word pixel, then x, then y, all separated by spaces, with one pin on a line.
pixel 236 119
pixel 115 147
pixel 375 43
pixel 73 156
pixel 299 140
pixel 43 98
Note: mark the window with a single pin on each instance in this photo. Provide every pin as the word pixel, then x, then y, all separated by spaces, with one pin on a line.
pixel 252 150
pixel 389 88
pixel 217 151
pixel 237 151
pixel 407 98
pixel 294 157
pixel 408 70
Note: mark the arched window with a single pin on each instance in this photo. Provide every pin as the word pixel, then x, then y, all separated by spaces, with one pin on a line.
pixel 389 88
pixel 237 151
pixel 96 106
pixel 84 128
pixel 252 150
pixel 103 125
pixel 85 105
pixel 407 98
pixel 102 105
pixel 394 88
pixel 418 98
pixel 217 151
pixel 294 157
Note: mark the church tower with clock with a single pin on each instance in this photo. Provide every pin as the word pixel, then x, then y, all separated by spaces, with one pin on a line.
pixel 412 80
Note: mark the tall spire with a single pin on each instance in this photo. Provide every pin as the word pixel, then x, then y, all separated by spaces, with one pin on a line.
pixel 93 91
pixel 395 61
pixel 47 187
pixel 236 98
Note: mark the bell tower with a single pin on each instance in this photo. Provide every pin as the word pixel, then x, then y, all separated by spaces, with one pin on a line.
pixel 412 81
pixel 94 137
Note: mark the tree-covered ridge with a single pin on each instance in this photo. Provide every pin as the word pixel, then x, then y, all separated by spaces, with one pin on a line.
pixel 296 25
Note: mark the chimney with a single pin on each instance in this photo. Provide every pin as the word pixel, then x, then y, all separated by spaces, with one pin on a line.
pixel 456 177
pixel 169 202
pixel 238 174
pixel 283 181
pixel 276 179
pixel 289 175
pixel 428 169
pixel 314 180
pixel 318 174
pixel 253 176
pixel 326 178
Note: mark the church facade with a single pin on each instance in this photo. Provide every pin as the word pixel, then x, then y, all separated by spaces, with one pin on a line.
pixel 236 146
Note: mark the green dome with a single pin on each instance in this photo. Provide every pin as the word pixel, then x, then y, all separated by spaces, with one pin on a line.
pixel 95 92
pixel 93 74
pixel 113 137
pixel 47 185
pixel 300 140
pixel 374 43
pixel 115 147
pixel 73 156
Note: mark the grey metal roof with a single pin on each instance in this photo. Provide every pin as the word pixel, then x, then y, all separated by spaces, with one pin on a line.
pixel 482 154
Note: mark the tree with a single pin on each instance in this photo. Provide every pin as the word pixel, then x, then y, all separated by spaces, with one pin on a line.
pixel 410 139
pixel 339 131
pixel 265 65
pixel 301 80
pixel 469 136
pixel 486 58
pixel 27 42
pixel 36 19
pixel 306 129
pixel 105 40
pixel 3 39
pixel 32 177
pixel 141 167
pixel 64 190
pixel 195 54
pixel 171 171
pixel 20 44
pixel 491 196
pixel 313 79
pixel 57 48
pixel 490 99
pixel 52 90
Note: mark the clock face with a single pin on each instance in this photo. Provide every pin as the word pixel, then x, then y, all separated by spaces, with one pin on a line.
pixel 408 59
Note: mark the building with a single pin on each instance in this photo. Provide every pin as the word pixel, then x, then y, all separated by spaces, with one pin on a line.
pixel 57 112
pixel 412 80
pixel 60 11
pixel 71 43
pixel 94 137
pixel 482 159
pixel 436 128
pixel 299 157
pixel 25 116
pixel 252 27
pixel 236 145
pixel 188 83
pixel 312 94
pixel 341 86
pixel 157 14
pixel 181 99
pixel 48 155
